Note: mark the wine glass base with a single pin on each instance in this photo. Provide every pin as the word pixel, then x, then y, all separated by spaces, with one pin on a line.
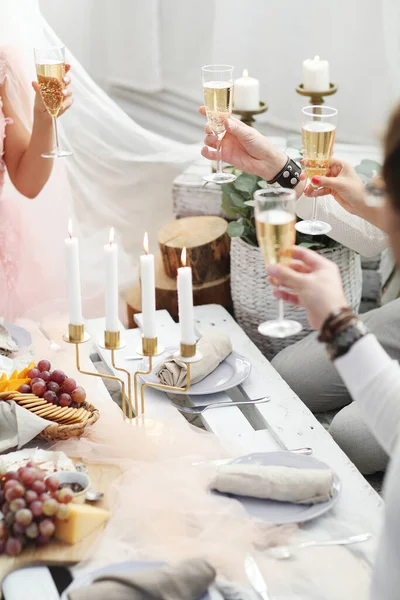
pixel 57 154
pixel 280 328
pixel 220 178
pixel 313 227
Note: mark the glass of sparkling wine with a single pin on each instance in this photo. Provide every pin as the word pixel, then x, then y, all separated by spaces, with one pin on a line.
pixel 318 134
pixel 50 70
pixel 218 97
pixel 275 219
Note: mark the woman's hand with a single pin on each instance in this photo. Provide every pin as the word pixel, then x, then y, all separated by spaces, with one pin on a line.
pixel 343 183
pixel 40 109
pixel 313 282
pixel 245 148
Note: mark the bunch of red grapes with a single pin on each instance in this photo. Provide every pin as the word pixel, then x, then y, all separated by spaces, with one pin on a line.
pixel 29 505
pixel 53 386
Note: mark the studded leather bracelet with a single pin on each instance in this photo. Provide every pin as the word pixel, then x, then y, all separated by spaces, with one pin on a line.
pixel 288 176
pixel 341 330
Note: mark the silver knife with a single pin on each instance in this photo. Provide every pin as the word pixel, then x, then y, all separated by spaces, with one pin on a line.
pixel 255 577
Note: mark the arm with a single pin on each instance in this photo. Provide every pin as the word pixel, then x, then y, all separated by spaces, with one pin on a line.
pixel 22 151
pixel 373 380
pixel 28 171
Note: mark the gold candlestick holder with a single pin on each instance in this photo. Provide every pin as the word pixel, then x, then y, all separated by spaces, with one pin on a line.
pixel 247 116
pixel 188 354
pixel 317 98
pixel 76 335
pixel 112 342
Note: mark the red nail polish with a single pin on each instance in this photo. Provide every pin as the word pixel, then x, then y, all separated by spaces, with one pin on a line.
pixel 315 180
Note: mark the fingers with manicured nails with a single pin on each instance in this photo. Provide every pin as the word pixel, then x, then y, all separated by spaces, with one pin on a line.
pixel 202 110
pixel 67 67
pixel 313 192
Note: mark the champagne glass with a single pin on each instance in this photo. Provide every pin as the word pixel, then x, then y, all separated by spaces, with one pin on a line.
pixel 275 219
pixel 318 133
pixel 50 70
pixel 218 97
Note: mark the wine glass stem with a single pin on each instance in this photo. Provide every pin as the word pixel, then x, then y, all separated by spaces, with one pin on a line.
pixel 56 141
pixel 219 153
pixel 314 209
pixel 281 310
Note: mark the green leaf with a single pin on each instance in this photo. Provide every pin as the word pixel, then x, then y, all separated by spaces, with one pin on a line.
pixel 246 182
pixel 251 203
pixel 262 184
pixel 236 199
pixel 235 229
pixel 368 167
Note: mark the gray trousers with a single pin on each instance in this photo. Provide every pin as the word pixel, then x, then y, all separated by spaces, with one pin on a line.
pixel 315 380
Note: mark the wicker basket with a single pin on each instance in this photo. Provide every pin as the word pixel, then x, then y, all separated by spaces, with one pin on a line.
pixel 253 301
pixel 57 431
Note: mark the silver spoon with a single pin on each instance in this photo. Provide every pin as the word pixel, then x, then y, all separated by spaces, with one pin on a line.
pixel 283 552
pixel 91 495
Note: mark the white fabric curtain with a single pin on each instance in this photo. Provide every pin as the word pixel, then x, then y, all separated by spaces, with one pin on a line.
pixel 161 44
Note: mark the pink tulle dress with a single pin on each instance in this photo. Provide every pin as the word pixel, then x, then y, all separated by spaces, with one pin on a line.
pixel 31 239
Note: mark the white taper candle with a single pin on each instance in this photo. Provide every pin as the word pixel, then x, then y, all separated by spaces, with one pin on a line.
pixel 111 283
pixel 148 291
pixel 185 301
pixel 73 278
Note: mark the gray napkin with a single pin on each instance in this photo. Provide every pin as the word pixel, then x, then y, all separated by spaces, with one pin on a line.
pixel 188 580
pixel 214 347
pixel 284 484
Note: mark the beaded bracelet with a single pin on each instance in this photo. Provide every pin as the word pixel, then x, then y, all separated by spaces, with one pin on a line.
pixel 341 330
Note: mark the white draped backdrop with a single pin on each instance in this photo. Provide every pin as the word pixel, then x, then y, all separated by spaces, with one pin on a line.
pixel 155 45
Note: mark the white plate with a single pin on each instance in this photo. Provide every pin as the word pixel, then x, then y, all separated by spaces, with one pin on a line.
pixel 21 336
pixel 284 512
pixel 121 568
pixel 230 373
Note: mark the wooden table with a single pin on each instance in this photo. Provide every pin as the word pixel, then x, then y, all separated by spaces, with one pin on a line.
pixel 282 423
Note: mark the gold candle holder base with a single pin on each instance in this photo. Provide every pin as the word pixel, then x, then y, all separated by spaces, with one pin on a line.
pixel 247 116
pixel 193 356
pixel 76 335
pixel 317 98
pixel 113 342
pixel 150 347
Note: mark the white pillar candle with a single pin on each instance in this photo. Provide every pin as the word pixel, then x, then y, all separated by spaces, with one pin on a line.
pixel 316 75
pixel 246 93
pixel 73 278
pixel 185 302
pixel 111 283
pixel 148 291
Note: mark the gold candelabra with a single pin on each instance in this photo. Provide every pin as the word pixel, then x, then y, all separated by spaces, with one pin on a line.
pixel 317 98
pixel 247 116
pixel 76 335
pixel 150 348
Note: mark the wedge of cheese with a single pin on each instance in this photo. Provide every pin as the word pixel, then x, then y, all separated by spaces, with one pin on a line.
pixel 82 521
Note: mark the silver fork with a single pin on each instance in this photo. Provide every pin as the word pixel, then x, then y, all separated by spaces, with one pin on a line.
pixel 198 410
pixel 54 347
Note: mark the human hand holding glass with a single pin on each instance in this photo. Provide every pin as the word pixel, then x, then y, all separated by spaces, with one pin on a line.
pixel 218 97
pixel 50 70
pixel 275 224
pixel 318 135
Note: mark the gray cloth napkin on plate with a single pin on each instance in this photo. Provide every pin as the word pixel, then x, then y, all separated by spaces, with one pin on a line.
pixel 285 484
pixel 214 347
pixel 188 580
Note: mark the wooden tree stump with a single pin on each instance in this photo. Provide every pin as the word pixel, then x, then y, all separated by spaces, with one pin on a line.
pixel 207 243
pixel 212 292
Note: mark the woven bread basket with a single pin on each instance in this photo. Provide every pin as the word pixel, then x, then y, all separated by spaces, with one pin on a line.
pixel 58 431
pixel 253 300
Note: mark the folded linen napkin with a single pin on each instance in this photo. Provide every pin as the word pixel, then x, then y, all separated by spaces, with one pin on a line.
pixel 188 580
pixel 18 426
pixel 214 347
pixel 285 484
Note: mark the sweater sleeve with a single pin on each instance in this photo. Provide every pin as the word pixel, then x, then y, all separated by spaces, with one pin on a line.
pixel 373 380
pixel 351 231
